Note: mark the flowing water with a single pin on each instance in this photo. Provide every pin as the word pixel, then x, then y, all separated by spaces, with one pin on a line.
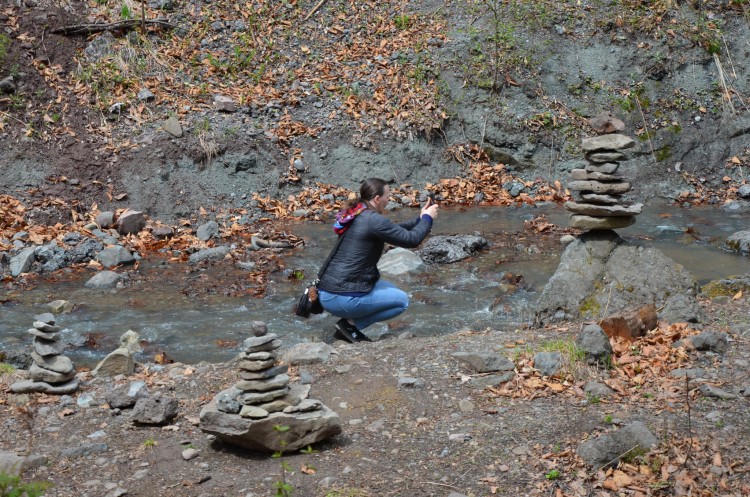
pixel 444 298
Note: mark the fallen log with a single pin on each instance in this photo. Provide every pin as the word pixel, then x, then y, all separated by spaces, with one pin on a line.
pixel 128 25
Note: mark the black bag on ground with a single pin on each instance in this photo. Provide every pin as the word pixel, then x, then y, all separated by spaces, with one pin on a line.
pixel 309 303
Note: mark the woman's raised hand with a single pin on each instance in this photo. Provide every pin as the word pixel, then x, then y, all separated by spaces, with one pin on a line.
pixel 430 208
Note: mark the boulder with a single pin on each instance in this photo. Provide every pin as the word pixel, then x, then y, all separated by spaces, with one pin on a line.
pixel 207 231
pixel 601 272
pixel 119 361
pixel 130 222
pixel 630 323
pixel 609 448
pixel 739 242
pixel 400 261
pixel 307 353
pixel 209 254
pixel 304 428
pixel 453 248
pixel 485 362
pixel 28 386
pixel 154 410
pixel 103 280
pixel 594 343
pixel 115 256
pixel 22 262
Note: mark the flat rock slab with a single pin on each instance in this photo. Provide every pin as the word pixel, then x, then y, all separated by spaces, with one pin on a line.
pixel 56 363
pixel 585 175
pixel 600 223
pixel 604 210
pixel 305 428
pixel 29 386
pixel 612 141
pixel 599 187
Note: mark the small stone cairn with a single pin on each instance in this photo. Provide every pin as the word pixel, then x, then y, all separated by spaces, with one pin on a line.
pixel 51 372
pixel 247 413
pixel 601 206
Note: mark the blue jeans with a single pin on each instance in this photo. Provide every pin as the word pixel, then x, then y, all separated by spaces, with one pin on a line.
pixel 383 302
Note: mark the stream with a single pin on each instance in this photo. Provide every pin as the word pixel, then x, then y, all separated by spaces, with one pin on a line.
pixel 444 298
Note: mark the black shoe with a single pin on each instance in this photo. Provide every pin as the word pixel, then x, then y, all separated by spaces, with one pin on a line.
pixel 349 332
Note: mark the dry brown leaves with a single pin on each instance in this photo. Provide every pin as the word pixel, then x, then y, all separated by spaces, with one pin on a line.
pixel 639 374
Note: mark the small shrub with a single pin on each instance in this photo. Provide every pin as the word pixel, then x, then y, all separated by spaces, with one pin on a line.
pixel 150 442
pixel 4 44
pixel 11 486
pixel 6 368
pixel 552 475
pixel 401 21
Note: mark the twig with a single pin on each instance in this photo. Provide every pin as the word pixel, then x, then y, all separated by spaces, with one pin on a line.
pixel 689 417
pixel 314 10
pixel 11 117
pixel 606 307
pixel 645 128
pixel 722 80
pixel 484 128
pixel 617 458
pixel 87 29
pixel 437 483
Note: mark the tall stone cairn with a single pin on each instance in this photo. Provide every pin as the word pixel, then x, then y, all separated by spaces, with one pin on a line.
pixel 249 413
pixel 600 188
pixel 51 372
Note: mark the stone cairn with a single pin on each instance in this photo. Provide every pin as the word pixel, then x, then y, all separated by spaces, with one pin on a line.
pixel 601 205
pixel 51 372
pixel 249 413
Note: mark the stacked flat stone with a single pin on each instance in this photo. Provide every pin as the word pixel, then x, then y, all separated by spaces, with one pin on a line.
pixel 600 188
pixel 248 413
pixel 50 372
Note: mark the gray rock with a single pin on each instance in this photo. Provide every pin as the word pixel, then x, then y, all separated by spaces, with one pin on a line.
pixel 265 374
pixel 307 353
pixel 173 127
pixel 255 365
pixel 226 401
pixel 273 383
pixel 154 410
pixel 130 222
pixel 15 465
pixel 306 405
pixel 47 347
pixel 606 168
pixel 690 373
pixel 600 223
pixel 85 449
pixel 130 340
pixel 602 271
pixel 105 219
pixel 209 254
pixel 711 391
pixel 250 351
pixel 60 306
pixel 38 373
pixel 492 380
pixel 608 448
pixel 258 328
pixel 255 341
pixel 739 242
pixel 585 175
pixel 52 337
pixel 713 341
pixel 604 210
pixel 485 362
pixel 115 256
pixel 547 363
pixel 681 308
pixel 599 187
pixel 57 363
pixel 103 280
pixel 249 398
pixel 594 342
pixel 224 104
pixel 45 327
pixel 22 262
pixel 448 249
pixel 119 361
pixel 596 389
pixel 253 412
pixel 407 382
pixel 100 47
pixel 207 231
pixel 28 386
pixel 126 396
pixel 305 428
pixel 606 143
pixel 146 95
pixel 46 318
pixel 400 261
pixel 7 85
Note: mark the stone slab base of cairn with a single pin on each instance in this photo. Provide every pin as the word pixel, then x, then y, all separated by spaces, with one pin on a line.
pixel 249 413
pixel 600 187
pixel 51 372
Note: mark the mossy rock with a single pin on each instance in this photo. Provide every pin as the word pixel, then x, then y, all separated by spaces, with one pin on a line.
pixel 726 287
